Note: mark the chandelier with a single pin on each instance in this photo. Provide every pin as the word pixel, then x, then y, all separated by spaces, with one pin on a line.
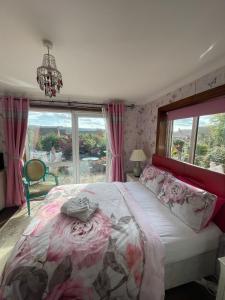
pixel 48 77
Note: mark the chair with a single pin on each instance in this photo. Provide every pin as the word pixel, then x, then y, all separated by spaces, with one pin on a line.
pixel 35 179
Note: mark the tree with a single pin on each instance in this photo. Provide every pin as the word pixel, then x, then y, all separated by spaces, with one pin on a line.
pixel 201 149
pixel 217 155
pixel 50 140
pixel 217 129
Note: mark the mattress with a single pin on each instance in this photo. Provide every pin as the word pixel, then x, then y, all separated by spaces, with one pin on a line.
pixel 179 240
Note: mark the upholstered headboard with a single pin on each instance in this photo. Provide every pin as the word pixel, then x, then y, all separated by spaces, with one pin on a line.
pixel 212 181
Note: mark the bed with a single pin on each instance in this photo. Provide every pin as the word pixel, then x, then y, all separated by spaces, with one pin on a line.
pixel 140 243
pixel 188 255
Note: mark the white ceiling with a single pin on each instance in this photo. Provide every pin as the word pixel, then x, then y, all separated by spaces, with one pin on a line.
pixel 127 49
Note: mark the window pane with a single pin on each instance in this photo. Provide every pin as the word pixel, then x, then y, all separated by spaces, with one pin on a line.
pixel 210 147
pixel 50 140
pixel 92 149
pixel 181 139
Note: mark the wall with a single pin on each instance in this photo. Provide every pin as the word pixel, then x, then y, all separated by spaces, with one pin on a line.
pixel 140 129
pixel 130 135
pixel 1 131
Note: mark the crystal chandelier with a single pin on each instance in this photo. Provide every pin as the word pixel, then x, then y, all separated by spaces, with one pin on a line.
pixel 48 77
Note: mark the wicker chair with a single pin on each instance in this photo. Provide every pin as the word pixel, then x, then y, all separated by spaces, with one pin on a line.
pixel 36 180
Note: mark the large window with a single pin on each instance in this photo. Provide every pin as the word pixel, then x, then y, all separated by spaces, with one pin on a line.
pixel 200 141
pixel 72 145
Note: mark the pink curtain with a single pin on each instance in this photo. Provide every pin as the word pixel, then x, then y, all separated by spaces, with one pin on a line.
pixel 115 125
pixel 15 116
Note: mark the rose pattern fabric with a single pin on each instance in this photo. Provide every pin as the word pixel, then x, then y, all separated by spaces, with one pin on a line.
pixel 59 257
pixel 152 177
pixel 194 206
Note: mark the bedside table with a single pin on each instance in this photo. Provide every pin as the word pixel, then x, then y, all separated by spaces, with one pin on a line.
pixel 131 177
pixel 221 287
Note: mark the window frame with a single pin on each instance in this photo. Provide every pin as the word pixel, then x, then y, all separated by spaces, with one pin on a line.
pixel 194 135
pixel 162 123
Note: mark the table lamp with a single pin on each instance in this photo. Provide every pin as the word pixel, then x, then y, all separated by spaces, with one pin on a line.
pixel 137 155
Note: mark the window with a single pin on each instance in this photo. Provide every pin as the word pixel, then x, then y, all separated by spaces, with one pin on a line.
pixel 181 139
pixel 200 141
pixel 72 145
pixel 210 145
pixel 92 149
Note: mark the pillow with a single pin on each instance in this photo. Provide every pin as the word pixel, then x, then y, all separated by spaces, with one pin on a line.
pixel 153 177
pixel 219 203
pixel 191 181
pixel 194 206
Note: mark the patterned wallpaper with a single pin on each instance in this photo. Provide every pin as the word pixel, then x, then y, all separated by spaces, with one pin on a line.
pixel 141 129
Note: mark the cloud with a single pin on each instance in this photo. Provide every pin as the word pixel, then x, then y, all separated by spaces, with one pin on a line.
pixel 63 120
pixel 187 123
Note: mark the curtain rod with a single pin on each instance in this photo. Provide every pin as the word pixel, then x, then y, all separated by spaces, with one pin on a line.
pixel 75 103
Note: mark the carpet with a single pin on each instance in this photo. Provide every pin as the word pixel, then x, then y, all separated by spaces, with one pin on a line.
pixel 12 230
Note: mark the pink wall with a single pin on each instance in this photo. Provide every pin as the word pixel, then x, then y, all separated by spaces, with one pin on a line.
pixel 141 129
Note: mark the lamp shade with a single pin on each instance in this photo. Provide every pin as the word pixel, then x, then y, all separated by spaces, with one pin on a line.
pixel 138 155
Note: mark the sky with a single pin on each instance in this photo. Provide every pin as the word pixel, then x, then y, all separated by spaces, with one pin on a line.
pixel 187 123
pixel 63 119
pixel 44 118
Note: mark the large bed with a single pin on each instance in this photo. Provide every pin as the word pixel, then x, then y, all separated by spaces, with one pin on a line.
pixel 188 255
pixel 135 248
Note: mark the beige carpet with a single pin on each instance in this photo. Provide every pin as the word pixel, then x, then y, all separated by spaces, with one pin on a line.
pixel 12 230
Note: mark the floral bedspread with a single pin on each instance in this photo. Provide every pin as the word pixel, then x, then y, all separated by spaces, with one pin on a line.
pixel 59 257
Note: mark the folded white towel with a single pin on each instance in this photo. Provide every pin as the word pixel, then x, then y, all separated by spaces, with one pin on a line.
pixel 79 207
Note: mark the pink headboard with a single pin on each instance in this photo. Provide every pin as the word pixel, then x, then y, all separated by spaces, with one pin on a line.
pixel 212 181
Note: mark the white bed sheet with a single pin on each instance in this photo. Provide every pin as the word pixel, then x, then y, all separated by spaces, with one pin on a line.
pixel 180 241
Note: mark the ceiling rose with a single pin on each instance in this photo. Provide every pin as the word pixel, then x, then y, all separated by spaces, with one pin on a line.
pixel 48 77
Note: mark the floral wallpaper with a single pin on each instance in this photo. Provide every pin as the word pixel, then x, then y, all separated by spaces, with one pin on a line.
pixel 130 132
pixel 140 130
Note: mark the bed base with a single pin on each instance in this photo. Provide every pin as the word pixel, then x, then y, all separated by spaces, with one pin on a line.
pixel 190 269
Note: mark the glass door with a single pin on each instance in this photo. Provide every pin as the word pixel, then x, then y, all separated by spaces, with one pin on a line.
pixel 49 139
pixel 92 148
pixel 72 145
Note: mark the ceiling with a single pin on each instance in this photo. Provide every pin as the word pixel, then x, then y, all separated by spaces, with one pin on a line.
pixel 122 49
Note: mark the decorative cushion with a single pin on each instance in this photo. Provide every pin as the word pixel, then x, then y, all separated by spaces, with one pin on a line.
pixel 219 203
pixel 153 177
pixel 194 206
pixel 191 181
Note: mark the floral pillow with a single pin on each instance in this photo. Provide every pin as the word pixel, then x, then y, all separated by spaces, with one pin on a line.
pixel 152 177
pixel 194 206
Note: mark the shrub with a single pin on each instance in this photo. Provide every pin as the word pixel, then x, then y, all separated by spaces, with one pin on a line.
pixel 217 155
pixel 50 140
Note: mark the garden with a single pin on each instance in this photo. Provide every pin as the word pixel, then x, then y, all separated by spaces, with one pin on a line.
pixel 210 146
pixel 56 150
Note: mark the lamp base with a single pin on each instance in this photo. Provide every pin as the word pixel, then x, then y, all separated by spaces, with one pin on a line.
pixel 137 169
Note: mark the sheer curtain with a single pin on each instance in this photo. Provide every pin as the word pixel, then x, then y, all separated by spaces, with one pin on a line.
pixel 15 116
pixel 114 116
